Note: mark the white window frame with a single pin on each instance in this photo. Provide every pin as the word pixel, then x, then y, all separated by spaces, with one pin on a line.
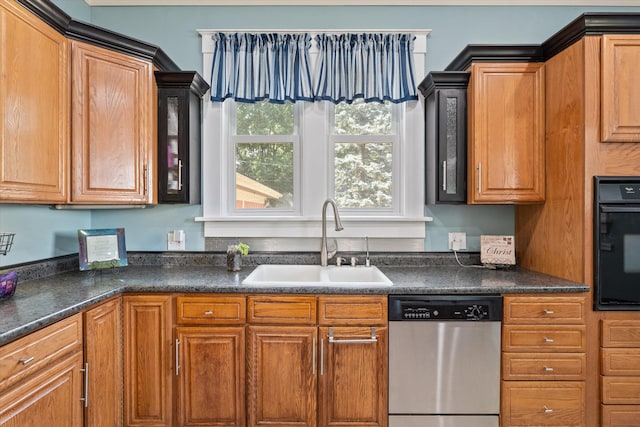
pixel 222 220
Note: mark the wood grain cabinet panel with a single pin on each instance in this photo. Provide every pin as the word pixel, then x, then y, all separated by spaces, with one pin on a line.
pixel 39 349
pixel 620 415
pixel 558 310
pixel 546 338
pixel 148 373
pixel 103 364
pixel 51 397
pixel 506 143
pixel 298 310
pixel 211 376
pixel 619 390
pixel 352 310
pixel 353 377
pixel 621 333
pixel 620 88
pixel 196 310
pixel 540 403
pixel 282 376
pixel 544 366
pixel 113 127
pixel 620 361
pixel 34 108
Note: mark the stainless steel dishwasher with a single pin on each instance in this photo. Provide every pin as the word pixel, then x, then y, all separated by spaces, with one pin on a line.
pixel 444 360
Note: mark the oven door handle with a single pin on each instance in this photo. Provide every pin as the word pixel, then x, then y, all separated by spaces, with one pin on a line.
pixel 620 208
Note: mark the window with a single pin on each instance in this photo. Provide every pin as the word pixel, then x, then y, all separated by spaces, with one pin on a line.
pixel 267 168
pixel 364 139
pixel 265 149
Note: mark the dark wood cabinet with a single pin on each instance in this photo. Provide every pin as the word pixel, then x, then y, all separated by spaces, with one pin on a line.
pixel 179 121
pixel 446 136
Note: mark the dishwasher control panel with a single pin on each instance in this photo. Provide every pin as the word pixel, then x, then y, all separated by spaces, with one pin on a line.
pixel 425 308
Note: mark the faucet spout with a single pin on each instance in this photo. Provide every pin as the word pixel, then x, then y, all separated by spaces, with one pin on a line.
pixel 324 254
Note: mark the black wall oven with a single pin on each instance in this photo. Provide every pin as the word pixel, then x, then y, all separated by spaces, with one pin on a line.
pixel 617 243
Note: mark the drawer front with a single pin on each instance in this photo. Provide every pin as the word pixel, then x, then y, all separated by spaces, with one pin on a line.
pixel 620 361
pixel 548 338
pixel 292 310
pixel 620 390
pixel 620 415
pixel 544 366
pixel 556 310
pixel 39 349
pixel 539 403
pixel 211 310
pixel 621 333
pixel 352 310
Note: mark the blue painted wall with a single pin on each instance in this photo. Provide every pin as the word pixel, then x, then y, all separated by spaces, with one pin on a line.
pixel 43 233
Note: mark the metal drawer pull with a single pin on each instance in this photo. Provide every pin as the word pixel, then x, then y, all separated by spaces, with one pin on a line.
pixel 322 356
pixel 548 369
pixel 547 410
pixel 548 311
pixel 177 357
pixel 208 313
pixel 548 339
pixel 85 399
pixel 354 341
pixel 26 361
pixel 479 168
pixel 313 358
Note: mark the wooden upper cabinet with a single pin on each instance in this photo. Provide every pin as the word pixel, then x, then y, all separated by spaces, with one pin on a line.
pixel 113 127
pixel 506 133
pixel 34 108
pixel 620 88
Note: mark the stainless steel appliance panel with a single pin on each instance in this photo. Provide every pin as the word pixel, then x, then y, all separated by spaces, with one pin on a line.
pixel 443 421
pixel 444 367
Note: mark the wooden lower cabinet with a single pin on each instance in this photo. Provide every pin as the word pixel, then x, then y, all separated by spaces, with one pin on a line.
pixel 282 376
pixel 313 373
pixel 49 398
pixel 543 403
pixel 543 361
pixel 210 373
pixel 353 376
pixel 103 364
pixel 620 372
pixel 41 378
pixel 148 367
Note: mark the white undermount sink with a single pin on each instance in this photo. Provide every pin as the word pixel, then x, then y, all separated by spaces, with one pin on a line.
pixel 315 275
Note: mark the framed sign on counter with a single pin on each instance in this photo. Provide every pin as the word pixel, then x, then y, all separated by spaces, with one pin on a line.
pixel 102 248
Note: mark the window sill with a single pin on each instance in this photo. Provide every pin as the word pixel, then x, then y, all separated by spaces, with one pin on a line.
pixel 354 226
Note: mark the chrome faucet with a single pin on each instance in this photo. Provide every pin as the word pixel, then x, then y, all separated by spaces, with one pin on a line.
pixel 324 253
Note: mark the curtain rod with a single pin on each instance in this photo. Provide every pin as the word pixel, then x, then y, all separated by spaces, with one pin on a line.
pixel 319 30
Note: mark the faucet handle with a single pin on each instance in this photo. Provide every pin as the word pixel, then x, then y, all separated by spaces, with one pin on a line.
pixel 354 261
pixel 340 260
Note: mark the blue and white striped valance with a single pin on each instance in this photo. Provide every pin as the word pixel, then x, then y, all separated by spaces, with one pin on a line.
pixel 253 67
pixel 375 67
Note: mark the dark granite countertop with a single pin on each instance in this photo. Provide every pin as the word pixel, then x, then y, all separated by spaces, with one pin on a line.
pixel 44 300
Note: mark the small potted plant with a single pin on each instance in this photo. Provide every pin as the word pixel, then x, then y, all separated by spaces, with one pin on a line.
pixel 234 256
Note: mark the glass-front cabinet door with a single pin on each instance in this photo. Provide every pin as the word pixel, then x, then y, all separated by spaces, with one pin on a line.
pixel 179 137
pixel 446 136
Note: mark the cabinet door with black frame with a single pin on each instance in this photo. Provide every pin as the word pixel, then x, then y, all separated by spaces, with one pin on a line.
pixel 179 122
pixel 446 136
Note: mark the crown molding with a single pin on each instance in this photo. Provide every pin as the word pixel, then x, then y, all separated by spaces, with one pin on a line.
pixel 593 3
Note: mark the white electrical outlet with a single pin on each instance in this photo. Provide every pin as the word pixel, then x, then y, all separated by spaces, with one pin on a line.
pixel 458 241
pixel 176 240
